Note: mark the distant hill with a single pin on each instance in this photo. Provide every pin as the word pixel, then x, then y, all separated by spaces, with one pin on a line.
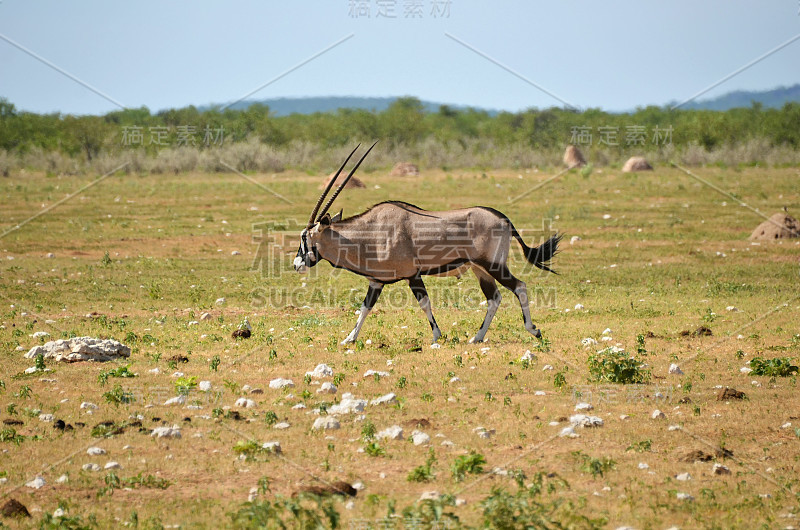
pixel 775 98
pixel 310 105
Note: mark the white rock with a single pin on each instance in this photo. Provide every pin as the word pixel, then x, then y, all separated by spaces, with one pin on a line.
pixel 205 316
pixel 435 346
pixel 112 465
pixel 244 402
pixel 220 301
pixel 81 349
pixel 674 428
pixel 236 253
pixel 95 451
pixel 574 239
pixel 585 421
pixel 327 388
pixel 395 432
pixel 281 426
pixel 40 334
pixel 430 496
pixel 584 406
pixel 683 477
pixel 455 379
pixel 371 373
pixel 36 483
pixel 91 467
pixel 643 465
pixel 88 406
pixel 719 469
pixel 528 356
pixel 568 432
pixel 745 369
pixel 192 323
pixel 63 479
pixel 204 386
pixel 299 406
pixel 320 371
pixel 58 513
pixel 387 399
pixel 658 415
pixel 547 367
pixel 326 423
pixel 46 418
pixel 273 447
pixel 786 425
pixel 177 400
pixel 578 307
pixel 420 438
pixel 167 432
pixel 732 309
pixel 177 374
pixel 281 383
pixel 349 505
pixel 154 371
pixel 348 405
pixel 675 369
pixel 684 497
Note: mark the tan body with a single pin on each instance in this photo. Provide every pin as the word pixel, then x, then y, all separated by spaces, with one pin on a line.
pixel 394 241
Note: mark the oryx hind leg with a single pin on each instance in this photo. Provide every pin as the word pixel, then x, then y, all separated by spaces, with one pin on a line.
pixel 421 294
pixel 518 287
pixel 493 299
pixel 373 292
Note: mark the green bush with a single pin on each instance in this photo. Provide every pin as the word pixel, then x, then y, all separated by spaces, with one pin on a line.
pixel 614 365
pixel 777 367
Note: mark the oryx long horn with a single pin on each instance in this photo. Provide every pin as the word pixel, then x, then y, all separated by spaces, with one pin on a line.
pixel 344 183
pixel 328 188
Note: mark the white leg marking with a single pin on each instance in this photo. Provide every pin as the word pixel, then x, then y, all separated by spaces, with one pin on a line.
pixel 354 334
pixel 491 309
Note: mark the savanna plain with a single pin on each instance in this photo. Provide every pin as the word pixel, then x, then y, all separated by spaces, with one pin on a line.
pixel 661 272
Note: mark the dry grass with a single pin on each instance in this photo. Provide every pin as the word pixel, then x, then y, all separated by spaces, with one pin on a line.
pixel 169 259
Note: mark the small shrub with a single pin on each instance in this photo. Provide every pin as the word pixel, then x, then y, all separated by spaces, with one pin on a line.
pixel 122 371
pixel 640 447
pixel 10 435
pixel 118 396
pixel 594 466
pixel 250 449
pixel 777 367
pixel 423 473
pixel 613 365
pixel 471 464
pixel 373 449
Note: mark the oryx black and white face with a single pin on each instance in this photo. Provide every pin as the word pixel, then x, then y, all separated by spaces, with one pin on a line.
pixel 307 255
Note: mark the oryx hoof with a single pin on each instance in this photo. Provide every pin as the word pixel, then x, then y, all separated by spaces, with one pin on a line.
pixel 537 333
pixel 475 340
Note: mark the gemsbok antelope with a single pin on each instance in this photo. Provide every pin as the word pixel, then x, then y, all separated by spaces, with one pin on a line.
pixel 394 241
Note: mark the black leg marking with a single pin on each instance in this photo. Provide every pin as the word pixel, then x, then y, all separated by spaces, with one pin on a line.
pixel 421 294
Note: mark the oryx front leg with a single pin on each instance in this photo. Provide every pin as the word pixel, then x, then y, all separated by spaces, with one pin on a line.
pixel 493 299
pixel 373 292
pixel 421 294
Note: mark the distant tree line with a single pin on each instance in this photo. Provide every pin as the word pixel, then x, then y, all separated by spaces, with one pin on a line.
pixel 404 123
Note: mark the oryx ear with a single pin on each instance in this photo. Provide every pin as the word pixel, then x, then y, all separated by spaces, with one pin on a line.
pixel 326 220
pixel 337 217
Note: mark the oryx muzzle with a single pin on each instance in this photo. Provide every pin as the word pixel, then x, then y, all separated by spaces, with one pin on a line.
pixel 395 241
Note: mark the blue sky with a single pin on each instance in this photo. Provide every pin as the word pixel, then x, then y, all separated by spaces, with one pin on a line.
pixel 613 55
